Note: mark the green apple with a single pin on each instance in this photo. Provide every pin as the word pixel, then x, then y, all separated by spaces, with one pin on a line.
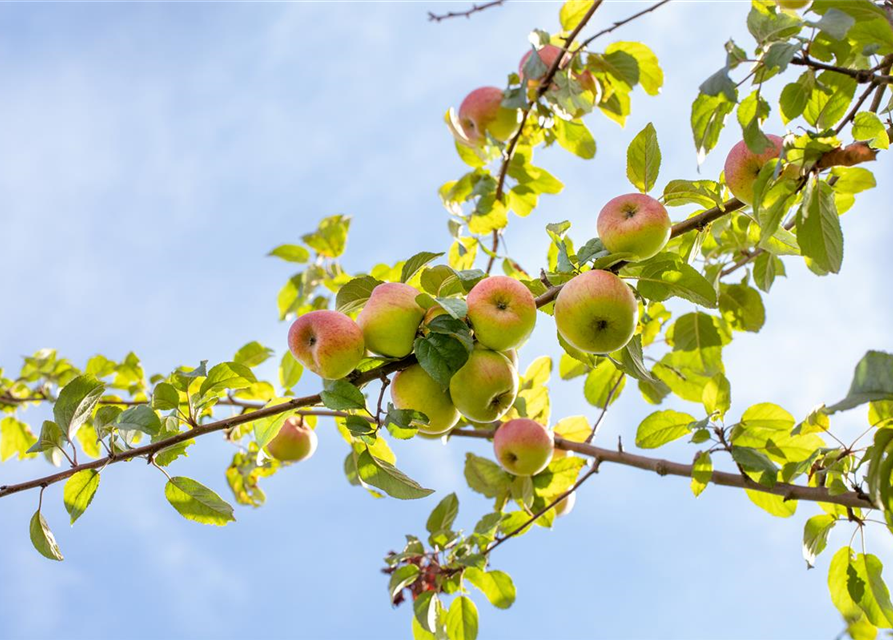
pixel 482 112
pixel 502 312
pixel 414 389
pixel 743 166
pixel 596 312
pixel 294 442
pixel 391 319
pixel 328 343
pixel 512 355
pixel 485 388
pixel 566 506
pixel 523 446
pixel 634 223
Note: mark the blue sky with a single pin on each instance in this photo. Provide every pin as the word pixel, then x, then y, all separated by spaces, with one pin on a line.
pixel 153 154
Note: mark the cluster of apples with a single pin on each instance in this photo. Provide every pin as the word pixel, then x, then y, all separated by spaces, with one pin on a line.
pixel 502 312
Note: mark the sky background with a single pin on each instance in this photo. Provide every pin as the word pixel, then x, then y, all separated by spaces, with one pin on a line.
pixel 154 153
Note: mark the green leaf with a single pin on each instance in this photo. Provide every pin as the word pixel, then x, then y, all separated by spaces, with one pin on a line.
pixel 767 416
pixel 601 381
pixel 496 585
pixel 441 356
pixel 665 278
pixel 708 117
pixel 462 620
pixel 575 137
pixel 794 97
pixel 456 307
pixel 572 12
pixel 252 354
pixel 402 578
pixel 138 418
pixel 75 404
pixel 290 370
pixel 765 268
pixel 818 227
pixel 742 307
pixel 701 472
pixel 196 502
pixel 558 477
pixel 706 193
pixel 573 428
pixel 717 395
pixel 419 260
pixel 835 23
pixel 872 381
pixel 291 253
pixel 51 436
pixel 829 100
pixel 662 427
pixel 867 588
pixel 815 537
pixel 757 463
pixel 868 126
pixel 425 609
pixel 388 478
pixel 42 538
pixel 330 238
pixel 643 159
pixel 697 333
pixel 772 504
pixel 485 476
pixel 354 294
pixel 342 396
pixel 15 439
pixel 165 397
pixel 651 76
pixel 444 514
pixel 226 375
pixel 767 25
pixel 839 575
pixel 79 491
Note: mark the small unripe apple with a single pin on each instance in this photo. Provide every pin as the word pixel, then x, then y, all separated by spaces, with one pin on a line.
pixel 482 112
pixel 485 388
pixel 523 446
pixel 294 442
pixel 560 454
pixel 328 343
pixel 634 223
pixel 502 312
pixel 793 5
pixel 548 54
pixel 512 355
pixel 391 319
pixel 414 389
pixel 743 166
pixel 596 312
pixel 566 506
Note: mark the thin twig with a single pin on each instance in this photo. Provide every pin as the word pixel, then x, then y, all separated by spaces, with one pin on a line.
pixel 539 514
pixel 861 76
pixel 475 8
pixel 620 23
pixel 610 397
